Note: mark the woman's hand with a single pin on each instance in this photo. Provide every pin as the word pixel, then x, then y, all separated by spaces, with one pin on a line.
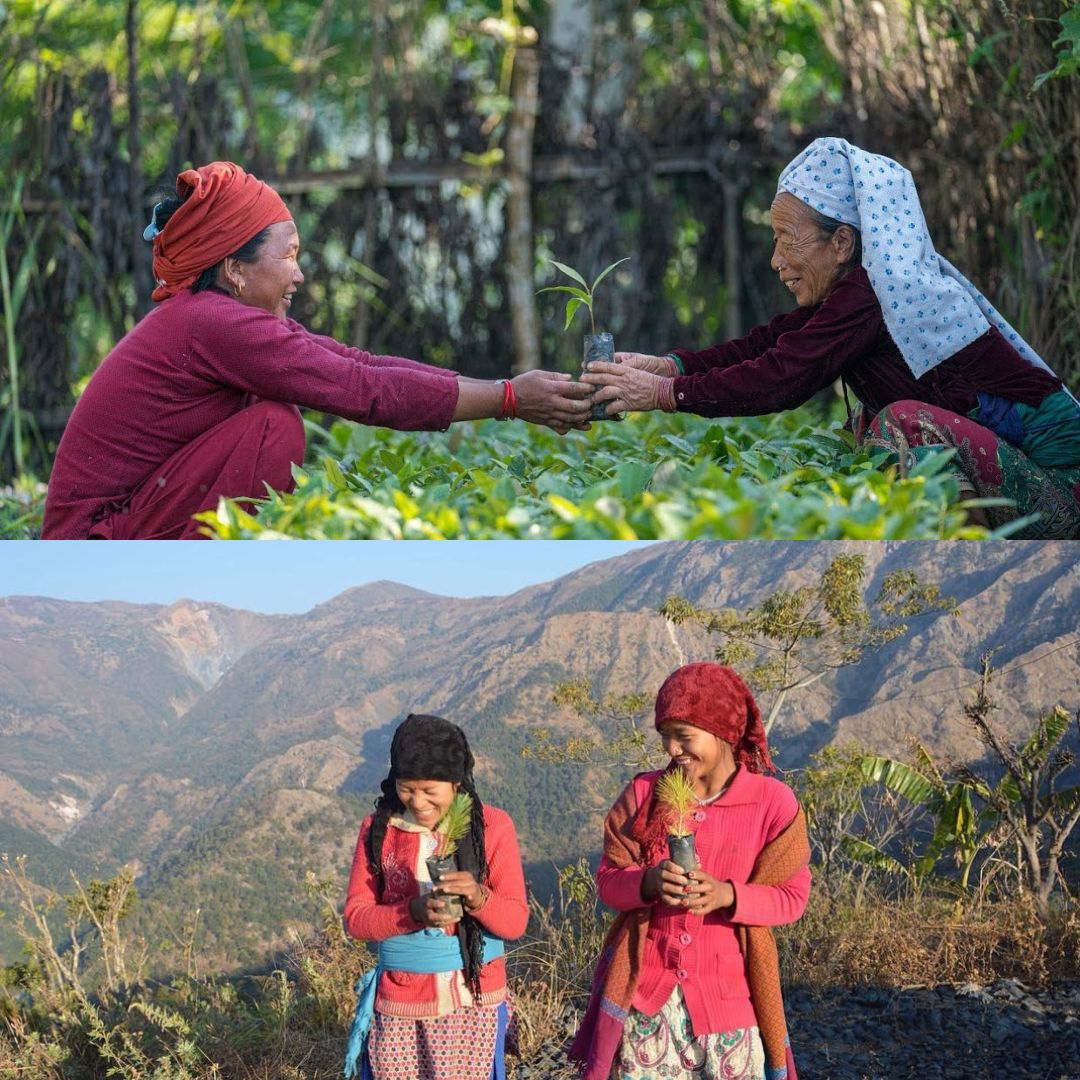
pixel 429 909
pixel 667 882
pixel 655 365
pixel 705 893
pixel 628 389
pixel 461 883
pixel 553 399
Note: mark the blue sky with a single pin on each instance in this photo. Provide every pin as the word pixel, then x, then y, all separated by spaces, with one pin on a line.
pixel 279 576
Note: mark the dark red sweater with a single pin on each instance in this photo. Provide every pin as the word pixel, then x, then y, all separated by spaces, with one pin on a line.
pixel 789 359
pixel 194 361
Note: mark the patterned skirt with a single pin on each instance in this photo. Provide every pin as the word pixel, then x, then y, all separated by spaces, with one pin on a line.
pixel 663 1047
pixel 985 466
pixel 467 1044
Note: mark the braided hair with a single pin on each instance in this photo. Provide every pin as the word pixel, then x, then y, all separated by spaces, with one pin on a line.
pixel 430 748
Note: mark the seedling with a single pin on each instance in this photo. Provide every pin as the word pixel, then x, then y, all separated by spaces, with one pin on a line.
pixel 452 828
pixel 596 346
pixel 583 296
pixel 454 825
pixel 676 796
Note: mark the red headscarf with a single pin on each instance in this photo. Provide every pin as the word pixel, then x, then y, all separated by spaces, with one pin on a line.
pixel 223 209
pixel 715 699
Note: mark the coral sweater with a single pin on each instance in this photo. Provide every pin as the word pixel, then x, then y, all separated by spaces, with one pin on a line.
pixel 196 360
pixel 789 359
pixel 372 917
pixel 698 953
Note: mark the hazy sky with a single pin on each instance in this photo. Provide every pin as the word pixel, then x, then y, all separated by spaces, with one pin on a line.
pixel 285 576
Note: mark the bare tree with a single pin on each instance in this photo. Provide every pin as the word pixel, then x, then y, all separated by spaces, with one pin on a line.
pixel 1041 813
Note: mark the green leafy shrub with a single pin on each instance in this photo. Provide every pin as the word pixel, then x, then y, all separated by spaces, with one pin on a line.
pixel 787 476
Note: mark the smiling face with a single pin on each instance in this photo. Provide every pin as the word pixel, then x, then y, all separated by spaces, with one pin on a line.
pixel 426 800
pixel 809 262
pixel 707 760
pixel 270 281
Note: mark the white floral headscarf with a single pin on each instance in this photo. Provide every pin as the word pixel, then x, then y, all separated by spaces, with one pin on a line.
pixel 931 310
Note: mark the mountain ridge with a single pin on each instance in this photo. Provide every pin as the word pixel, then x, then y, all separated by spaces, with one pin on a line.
pixel 134 732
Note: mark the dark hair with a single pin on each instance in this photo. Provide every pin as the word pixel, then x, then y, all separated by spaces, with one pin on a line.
pixel 248 252
pixel 828 227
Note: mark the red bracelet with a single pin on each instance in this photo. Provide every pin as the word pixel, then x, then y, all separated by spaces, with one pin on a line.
pixel 509 405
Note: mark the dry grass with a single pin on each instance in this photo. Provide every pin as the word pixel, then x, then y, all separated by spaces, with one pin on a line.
pixel 928 941
pixel 292 1025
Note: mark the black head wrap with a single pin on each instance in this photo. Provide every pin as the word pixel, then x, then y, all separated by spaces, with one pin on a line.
pixel 431 748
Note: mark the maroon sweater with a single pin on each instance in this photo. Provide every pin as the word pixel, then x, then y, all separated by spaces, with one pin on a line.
pixel 196 360
pixel 789 359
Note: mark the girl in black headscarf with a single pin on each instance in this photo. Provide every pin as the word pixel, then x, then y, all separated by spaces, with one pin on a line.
pixel 436 1005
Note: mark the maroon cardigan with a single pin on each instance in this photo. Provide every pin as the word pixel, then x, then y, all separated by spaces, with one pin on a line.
pixel 789 359
pixel 196 360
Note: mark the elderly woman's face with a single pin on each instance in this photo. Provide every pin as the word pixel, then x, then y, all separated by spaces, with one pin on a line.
pixel 270 281
pixel 808 262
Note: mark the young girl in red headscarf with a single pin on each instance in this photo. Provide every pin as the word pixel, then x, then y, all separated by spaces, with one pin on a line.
pixel 201 399
pixel 688 985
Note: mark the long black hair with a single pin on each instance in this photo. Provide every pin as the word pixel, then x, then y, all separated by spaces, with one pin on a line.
pixel 430 748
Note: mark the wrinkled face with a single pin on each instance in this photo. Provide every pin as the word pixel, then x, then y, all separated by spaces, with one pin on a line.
pixel 700 753
pixel 426 800
pixel 808 263
pixel 271 280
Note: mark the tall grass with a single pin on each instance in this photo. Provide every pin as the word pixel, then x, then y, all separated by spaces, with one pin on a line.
pixel 16 424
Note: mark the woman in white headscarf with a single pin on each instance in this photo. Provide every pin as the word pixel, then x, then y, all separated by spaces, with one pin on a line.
pixel 931 362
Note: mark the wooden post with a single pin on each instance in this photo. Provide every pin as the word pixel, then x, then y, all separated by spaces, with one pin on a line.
pixel 520 282
pixel 732 256
pixel 361 332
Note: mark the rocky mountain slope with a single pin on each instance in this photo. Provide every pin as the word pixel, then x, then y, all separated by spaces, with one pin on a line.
pixel 223 753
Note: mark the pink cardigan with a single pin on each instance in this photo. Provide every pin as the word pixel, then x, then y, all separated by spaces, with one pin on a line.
pixel 701 954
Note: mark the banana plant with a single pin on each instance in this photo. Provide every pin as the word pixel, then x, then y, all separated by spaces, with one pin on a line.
pixel 958 824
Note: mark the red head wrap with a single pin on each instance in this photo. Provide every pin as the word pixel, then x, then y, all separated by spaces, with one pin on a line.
pixel 223 209
pixel 715 699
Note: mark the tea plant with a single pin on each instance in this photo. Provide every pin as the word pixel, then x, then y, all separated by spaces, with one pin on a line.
pixel 786 476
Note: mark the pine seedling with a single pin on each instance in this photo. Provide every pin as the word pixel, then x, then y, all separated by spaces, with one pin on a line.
pixel 676 795
pixel 454 825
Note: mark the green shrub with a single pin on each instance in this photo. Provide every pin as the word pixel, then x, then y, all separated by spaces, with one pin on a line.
pixel 654 477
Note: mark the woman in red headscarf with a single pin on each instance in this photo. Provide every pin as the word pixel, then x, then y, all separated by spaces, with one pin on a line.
pixel 200 400
pixel 688 984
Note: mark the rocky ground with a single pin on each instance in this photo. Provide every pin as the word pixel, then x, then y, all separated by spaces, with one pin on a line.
pixel 1004 1030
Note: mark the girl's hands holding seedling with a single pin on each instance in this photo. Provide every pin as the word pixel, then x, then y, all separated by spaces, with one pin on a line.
pixel 655 365
pixel 667 882
pixel 461 883
pixel 629 389
pixel 697 891
pixel 705 893
pixel 553 399
pixel 429 909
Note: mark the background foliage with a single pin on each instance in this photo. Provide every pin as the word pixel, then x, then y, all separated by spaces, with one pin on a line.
pixel 660 128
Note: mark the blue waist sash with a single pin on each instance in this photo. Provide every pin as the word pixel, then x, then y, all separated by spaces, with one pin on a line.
pixel 425 952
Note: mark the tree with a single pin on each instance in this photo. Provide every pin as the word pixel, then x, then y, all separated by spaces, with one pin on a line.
pixel 1042 815
pixel 620 713
pixel 795 637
